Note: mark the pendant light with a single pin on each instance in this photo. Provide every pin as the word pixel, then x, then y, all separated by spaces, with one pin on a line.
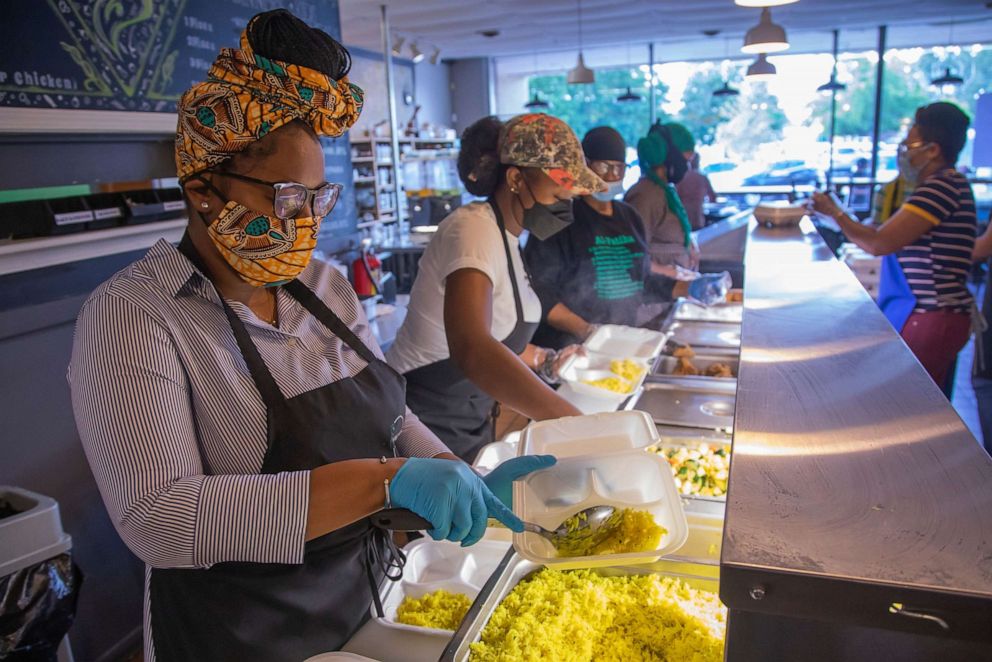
pixel 765 37
pixel 581 74
pixel 833 85
pixel 536 103
pixel 726 90
pixel 629 97
pixel 949 79
pixel 763 3
pixel 761 69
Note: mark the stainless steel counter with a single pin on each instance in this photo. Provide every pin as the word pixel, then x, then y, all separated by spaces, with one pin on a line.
pixel 856 492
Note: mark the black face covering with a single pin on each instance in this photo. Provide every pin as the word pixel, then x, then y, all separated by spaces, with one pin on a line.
pixel 545 221
pixel 675 164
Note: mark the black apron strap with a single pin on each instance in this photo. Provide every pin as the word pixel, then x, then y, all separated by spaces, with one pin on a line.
pixel 517 301
pixel 264 381
pixel 319 309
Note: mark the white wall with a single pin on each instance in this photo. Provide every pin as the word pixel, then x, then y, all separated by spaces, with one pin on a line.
pixel 470 91
pixel 369 73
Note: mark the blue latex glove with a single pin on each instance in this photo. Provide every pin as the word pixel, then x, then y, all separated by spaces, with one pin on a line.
pixel 452 497
pixel 709 289
pixel 500 480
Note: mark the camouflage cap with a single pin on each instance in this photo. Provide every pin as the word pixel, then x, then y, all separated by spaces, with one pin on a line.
pixel 536 140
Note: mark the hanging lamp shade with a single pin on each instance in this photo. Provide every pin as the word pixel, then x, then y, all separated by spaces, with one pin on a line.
pixel 947 79
pixel 832 85
pixel 761 69
pixel 416 54
pixel 580 74
pixel 763 3
pixel 536 103
pixel 765 37
pixel 726 91
pixel 628 97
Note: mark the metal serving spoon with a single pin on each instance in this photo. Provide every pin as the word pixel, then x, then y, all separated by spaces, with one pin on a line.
pixel 585 522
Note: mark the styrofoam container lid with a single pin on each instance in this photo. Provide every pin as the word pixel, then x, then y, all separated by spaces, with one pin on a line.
pixel 591 434
pixel 633 479
pixel 620 342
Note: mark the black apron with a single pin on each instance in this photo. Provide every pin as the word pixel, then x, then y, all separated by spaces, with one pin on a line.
pixel 271 611
pixel 445 400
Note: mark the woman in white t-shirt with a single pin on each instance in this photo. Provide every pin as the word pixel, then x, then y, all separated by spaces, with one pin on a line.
pixel 465 343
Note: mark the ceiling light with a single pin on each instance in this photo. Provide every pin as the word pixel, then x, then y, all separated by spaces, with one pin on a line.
pixel 763 3
pixel 536 103
pixel 436 55
pixel 832 85
pixel 415 53
pixel 765 37
pixel 726 91
pixel 628 97
pixel 580 74
pixel 760 70
pixel 948 78
pixel 398 45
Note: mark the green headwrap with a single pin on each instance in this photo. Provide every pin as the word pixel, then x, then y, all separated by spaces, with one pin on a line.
pixel 652 150
pixel 681 138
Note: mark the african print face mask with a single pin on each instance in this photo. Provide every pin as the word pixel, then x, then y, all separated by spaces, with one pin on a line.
pixel 264 250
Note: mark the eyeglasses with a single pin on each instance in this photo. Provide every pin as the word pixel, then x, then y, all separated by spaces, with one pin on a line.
pixel 905 147
pixel 613 169
pixel 290 198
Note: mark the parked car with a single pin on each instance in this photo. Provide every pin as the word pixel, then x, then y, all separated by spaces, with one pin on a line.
pixel 798 175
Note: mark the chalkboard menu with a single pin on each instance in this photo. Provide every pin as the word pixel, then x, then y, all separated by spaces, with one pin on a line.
pixel 135 55
pixel 140 56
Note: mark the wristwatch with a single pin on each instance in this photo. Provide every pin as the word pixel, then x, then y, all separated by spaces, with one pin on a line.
pixel 547 369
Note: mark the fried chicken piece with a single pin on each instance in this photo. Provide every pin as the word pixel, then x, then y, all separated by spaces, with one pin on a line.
pixel 685 367
pixel 718 370
pixel 683 352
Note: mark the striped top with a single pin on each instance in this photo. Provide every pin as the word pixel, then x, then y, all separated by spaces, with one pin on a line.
pixel 173 426
pixel 938 263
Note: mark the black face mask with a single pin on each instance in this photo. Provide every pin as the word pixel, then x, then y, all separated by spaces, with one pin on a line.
pixel 545 221
pixel 675 164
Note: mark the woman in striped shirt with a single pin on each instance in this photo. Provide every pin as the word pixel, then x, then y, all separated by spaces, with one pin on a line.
pixel 927 243
pixel 234 407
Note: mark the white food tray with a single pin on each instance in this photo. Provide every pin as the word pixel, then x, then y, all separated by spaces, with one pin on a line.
pixel 494 454
pixel 587 435
pixel 580 369
pixel 433 565
pixel 635 479
pixel 618 341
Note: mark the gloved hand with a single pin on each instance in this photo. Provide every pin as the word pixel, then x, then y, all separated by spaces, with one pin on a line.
pixel 500 480
pixel 709 289
pixel 452 497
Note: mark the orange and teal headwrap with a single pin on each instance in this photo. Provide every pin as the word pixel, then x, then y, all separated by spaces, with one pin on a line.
pixel 246 95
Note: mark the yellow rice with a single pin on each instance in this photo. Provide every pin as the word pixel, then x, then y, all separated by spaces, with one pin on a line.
pixel 579 615
pixel 627 530
pixel 441 609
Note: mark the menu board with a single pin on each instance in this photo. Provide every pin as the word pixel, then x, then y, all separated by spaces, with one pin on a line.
pixel 140 56
pixel 135 55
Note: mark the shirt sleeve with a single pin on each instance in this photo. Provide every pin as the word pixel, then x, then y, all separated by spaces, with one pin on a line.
pixel 935 200
pixel 135 418
pixel 471 241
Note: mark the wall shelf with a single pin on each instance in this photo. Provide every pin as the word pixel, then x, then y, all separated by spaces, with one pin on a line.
pixel 18 255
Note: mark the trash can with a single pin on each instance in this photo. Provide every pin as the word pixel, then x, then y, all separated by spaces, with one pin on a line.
pixel 39 584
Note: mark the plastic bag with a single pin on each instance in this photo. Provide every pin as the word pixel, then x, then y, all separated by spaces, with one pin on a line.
pixel 37 607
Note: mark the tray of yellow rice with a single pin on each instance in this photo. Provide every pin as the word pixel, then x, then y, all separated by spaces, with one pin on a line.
pixel 598 382
pixel 665 611
pixel 638 484
pixel 440 581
